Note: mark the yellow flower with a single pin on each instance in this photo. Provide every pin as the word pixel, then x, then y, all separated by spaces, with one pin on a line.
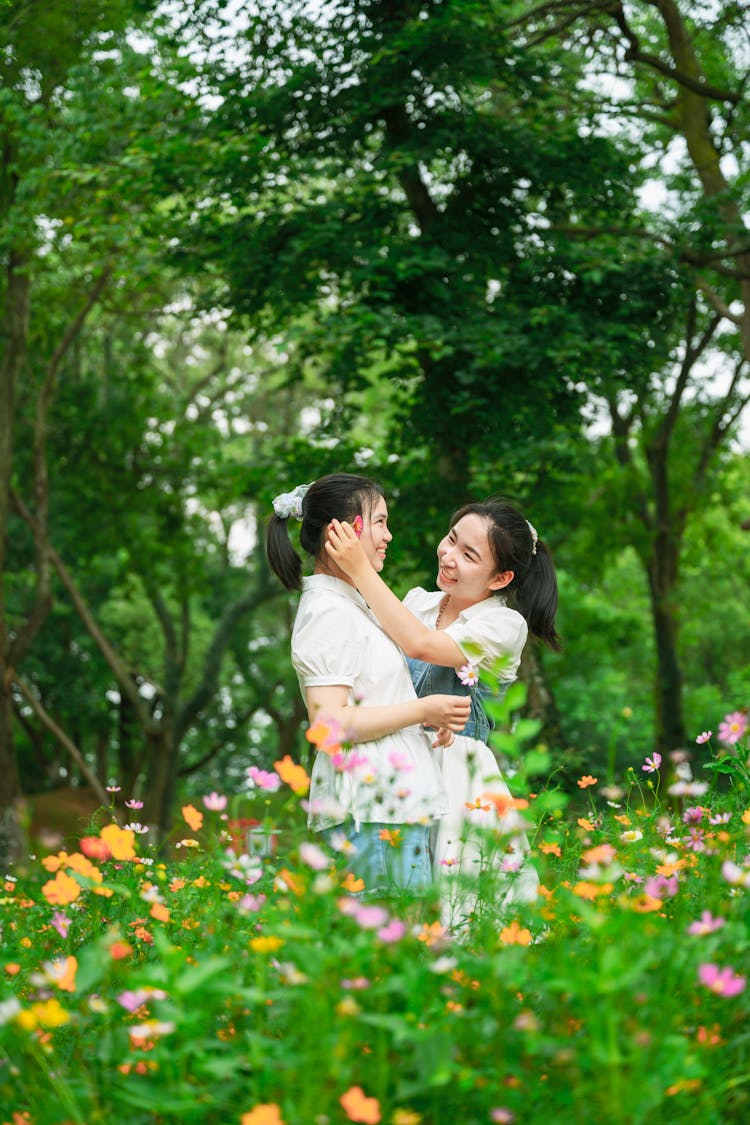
pixel 47 1013
pixel 266 944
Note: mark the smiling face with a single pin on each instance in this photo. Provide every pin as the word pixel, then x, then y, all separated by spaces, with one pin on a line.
pixel 375 535
pixel 466 566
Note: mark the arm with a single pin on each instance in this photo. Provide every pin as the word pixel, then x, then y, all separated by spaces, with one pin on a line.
pixel 411 635
pixel 364 724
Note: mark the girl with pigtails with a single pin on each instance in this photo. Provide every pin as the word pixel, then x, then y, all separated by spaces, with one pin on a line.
pixel 496 582
pixel 376 799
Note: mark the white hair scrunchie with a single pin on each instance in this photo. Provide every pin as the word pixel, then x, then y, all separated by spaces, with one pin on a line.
pixel 534 537
pixel 288 504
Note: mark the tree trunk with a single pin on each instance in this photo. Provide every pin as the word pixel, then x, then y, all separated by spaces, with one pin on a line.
pixel 669 727
pixel 15 330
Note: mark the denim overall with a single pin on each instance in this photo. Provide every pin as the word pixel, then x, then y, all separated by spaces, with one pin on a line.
pixel 432 679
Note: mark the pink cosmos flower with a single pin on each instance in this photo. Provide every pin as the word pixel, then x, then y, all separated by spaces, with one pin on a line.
pixel 251 904
pixel 61 922
pixel 314 856
pixel 356 984
pixel 393 931
pixel 400 761
pixel 704 737
pixel 732 728
pixel 734 874
pixel 693 815
pixel 114 788
pixel 661 886
pixel 371 917
pixel 263 779
pixel 724 982
pixel 706 924
pixel 134 804
pixel 214 802
pixel 651 765
pixel 502 1116
pixel 358 525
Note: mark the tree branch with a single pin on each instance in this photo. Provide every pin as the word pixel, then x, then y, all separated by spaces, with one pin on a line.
pixel 67 743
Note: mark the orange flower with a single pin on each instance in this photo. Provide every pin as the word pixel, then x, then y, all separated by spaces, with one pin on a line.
pixel 61 890
pixel 550 849
pixel 477 806
pixel 63 973
pixel 159 912
pixel 604 853
pixel 514 934
pixel 193 818
pixel 586 780
pixel 292 775
pixel 591 890
pixel 587 824
pixel 352 884
pixel 290 882
pixel 94 847
pixel 325 736
pixel 503 802
pixel 120 841
pixel 432 933
pixel 392 836
pixel 79 863
pixel 53 863
pixel 643 904
pixel 358 1107
pixel 265 1114
pixel 119 950
pixel 12 968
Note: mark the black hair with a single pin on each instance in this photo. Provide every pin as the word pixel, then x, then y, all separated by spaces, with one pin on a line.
pixel 533 589
pixel 340 496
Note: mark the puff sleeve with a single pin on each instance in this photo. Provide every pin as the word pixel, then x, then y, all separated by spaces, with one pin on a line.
pixel 327 647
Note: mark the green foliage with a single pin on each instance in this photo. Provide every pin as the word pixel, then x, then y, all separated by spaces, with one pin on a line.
pixel 223 986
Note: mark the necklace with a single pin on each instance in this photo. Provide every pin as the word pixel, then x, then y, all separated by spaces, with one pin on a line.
pixel 441 610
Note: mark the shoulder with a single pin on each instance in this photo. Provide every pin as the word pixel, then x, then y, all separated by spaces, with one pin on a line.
pixel 494 629
pixel 419 600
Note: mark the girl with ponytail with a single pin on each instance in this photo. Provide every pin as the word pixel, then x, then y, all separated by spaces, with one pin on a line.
pixel 358 689
pixel 496 583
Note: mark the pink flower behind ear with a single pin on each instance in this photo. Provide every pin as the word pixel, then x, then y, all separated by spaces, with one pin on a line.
pixel 358 525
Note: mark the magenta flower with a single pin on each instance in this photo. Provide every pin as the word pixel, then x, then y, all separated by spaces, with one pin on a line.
pixel 392 931
pixel 706 924
pixel 661 886
pixel 704 737
pixel 263 779
pixel 693 815
pixel 724 982
pixel 251 904
pixel 732 728
pixel 61 922
pixel 134 804
pixel 358 525
pixel 314 856
pixel 651 765
pixel 214 802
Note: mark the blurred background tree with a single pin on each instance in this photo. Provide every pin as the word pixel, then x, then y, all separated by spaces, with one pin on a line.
pixel 467 246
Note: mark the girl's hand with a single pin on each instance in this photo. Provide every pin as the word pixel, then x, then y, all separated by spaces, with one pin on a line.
pixel 443 739
pixel 450 711
pixel 344 547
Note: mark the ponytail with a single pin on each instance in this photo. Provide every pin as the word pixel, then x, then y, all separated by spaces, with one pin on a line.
pixel 517 547
pixel 340 496
pixel 282 557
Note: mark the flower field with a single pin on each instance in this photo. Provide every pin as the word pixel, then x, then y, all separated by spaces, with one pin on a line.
pixel 222 987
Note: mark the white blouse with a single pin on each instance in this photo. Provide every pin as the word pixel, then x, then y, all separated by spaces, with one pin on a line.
pixel 337 641
pixel 484 632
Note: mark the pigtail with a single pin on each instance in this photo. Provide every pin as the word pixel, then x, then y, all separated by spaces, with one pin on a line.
pixel 282 557
pixel 536 596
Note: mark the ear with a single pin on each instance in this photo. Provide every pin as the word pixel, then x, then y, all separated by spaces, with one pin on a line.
pixel 501 580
